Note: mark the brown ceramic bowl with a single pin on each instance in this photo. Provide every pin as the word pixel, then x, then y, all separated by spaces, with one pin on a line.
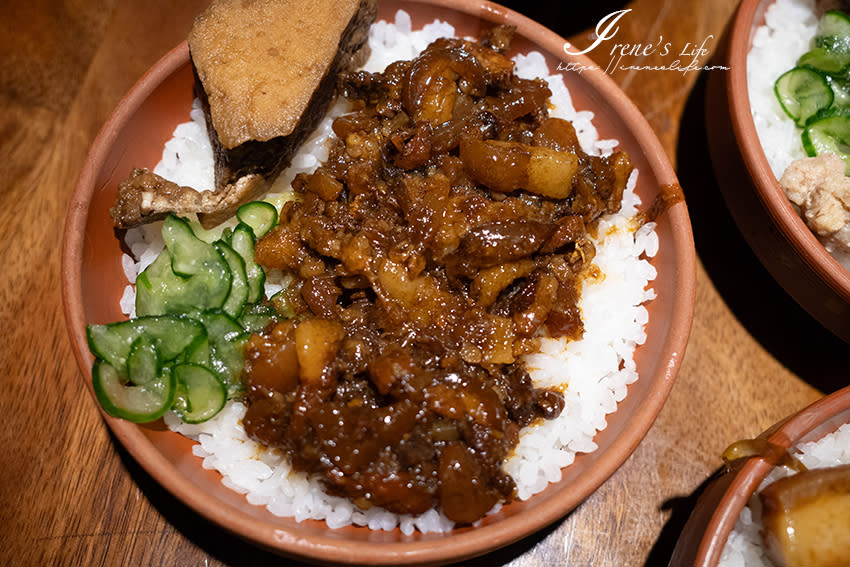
pixel 713 518
pixel 93 282
pixel 767 220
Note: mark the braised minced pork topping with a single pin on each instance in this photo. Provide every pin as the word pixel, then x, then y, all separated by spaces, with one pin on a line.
pixel 446 233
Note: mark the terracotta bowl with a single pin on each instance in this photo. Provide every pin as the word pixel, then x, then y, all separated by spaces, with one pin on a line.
pixel 718 507
pixel 767 220
pixel 93 282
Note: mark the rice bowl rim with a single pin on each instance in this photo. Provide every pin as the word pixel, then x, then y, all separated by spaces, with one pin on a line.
pixel 820 417
pixel 466 542
pixel 770 193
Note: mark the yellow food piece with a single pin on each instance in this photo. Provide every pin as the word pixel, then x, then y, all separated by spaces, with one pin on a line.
pixel 505 166
pixel 317 342
pixel 806 519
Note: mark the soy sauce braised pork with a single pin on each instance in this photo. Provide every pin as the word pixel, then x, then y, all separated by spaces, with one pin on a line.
pixel 444 235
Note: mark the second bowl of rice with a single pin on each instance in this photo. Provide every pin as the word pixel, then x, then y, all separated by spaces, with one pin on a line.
pixel 725 527
pixel 752 142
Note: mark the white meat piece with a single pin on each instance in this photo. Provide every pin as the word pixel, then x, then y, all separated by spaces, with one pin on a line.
pixel 821 191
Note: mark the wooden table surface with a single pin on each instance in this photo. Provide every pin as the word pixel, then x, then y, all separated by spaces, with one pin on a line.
pixel 70 495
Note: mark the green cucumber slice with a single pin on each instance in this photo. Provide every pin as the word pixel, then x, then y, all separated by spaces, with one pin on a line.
pixel 825 60
pixel 834 110
pixel 829 135
pixel 803 92
pixel 152 285
pixel 181 398
pixel 257 316
pixel 143 363
pixel 139 403
pixel 190 256
pixel 242 240
pixel 287 299
pixel 220 326
pixel 226 340
pixel 259 215
pixel 199 353
pixel 239 285
pixel 170 335
pixel 833 31
pixel 188 274
pixel 840 90
pixel 202 393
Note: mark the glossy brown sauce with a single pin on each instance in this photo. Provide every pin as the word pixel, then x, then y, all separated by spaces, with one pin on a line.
pixel 446 232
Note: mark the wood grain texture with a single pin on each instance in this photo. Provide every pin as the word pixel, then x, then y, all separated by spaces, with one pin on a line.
pixel 69 494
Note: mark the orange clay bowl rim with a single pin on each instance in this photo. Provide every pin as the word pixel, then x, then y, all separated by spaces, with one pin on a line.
pixel 464 543
pixel 778 207
pixel 785 434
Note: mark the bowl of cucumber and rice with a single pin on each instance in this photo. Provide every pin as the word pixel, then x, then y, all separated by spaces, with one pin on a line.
pixel 779 136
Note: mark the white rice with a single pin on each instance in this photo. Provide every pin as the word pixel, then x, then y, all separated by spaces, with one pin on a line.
pixel 744 547
pixel 593 373
pixel 785 36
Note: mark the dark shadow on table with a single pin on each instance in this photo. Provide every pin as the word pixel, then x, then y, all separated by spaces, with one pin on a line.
pixel 680 509
pixel 769 314
pixel 236 552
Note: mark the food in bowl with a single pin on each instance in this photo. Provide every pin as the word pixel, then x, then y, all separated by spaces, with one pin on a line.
pixel 263 90
pixel 598 367
pixel 805 517
pixel 796 81
pixel 782 524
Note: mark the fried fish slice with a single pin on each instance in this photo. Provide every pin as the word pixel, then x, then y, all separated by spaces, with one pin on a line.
pixel 266 72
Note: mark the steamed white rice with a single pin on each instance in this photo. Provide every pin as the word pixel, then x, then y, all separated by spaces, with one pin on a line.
pixel 786 34
pixel 744 547
pixel 593 373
